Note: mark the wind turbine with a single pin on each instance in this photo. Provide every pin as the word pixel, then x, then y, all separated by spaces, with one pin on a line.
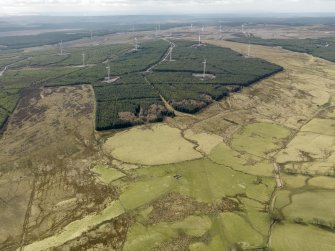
pixel 91 34
pixel 108 72
pixel 136 44
pixel 199 38
pixel 249 48
pixel 203 28
pixel 220 28
pixel 243 28
pixel 171 54
pixel 83 55
pixel 205 62
pixel 61 47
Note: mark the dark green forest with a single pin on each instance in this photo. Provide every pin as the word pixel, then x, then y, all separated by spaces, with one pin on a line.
pixel 134 95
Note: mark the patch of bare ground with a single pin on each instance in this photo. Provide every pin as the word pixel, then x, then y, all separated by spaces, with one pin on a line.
pixel 176 207
pixel 154 113
pixel 50 123
pixel 46 155
pixel 180 244
pixel 62 197
pixel 107 236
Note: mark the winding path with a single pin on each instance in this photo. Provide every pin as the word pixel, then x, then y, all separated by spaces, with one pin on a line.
pixel 3 71
pixel 167 53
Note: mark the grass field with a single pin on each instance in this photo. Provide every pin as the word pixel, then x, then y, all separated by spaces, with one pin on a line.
pixel 158 144
pixel 217 188
pixel 240 233
pixel 243 162
pixel 301 238
pixel 322 182
pixel 294 181
pixel 260 138
pixel 106 174
pixel 320 126
pixel 209 182
pixel 147 238
pixel 315 141
pixel 150 190
pixel 206 142
pixel 313 207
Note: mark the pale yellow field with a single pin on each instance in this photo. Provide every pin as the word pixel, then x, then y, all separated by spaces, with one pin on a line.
pixel 301 238
pixel 238 230
pixel 243 162
pixel 153 145
pixel 322 182
pixel 307 145
pixel 206 142
pixel 259 139
pixel 321 126
pixel 315 207
pixel 106 174
pixel 294 181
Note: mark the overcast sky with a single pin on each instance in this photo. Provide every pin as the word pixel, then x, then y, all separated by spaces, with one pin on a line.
pixel 113 7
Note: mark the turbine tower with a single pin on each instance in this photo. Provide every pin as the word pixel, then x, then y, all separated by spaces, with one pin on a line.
pixel 136 44
pixel 170 54
pixel 91 34
pixel 243 28
pixel 61 47
pixel 83 55
pixel 249 49
pixel 108 72
pixel 203 28
pixel 205 62
pixel 199 38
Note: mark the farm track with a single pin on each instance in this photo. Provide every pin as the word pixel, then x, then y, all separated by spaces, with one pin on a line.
pixel 3 71
pixel 7 66
pixel 165 55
